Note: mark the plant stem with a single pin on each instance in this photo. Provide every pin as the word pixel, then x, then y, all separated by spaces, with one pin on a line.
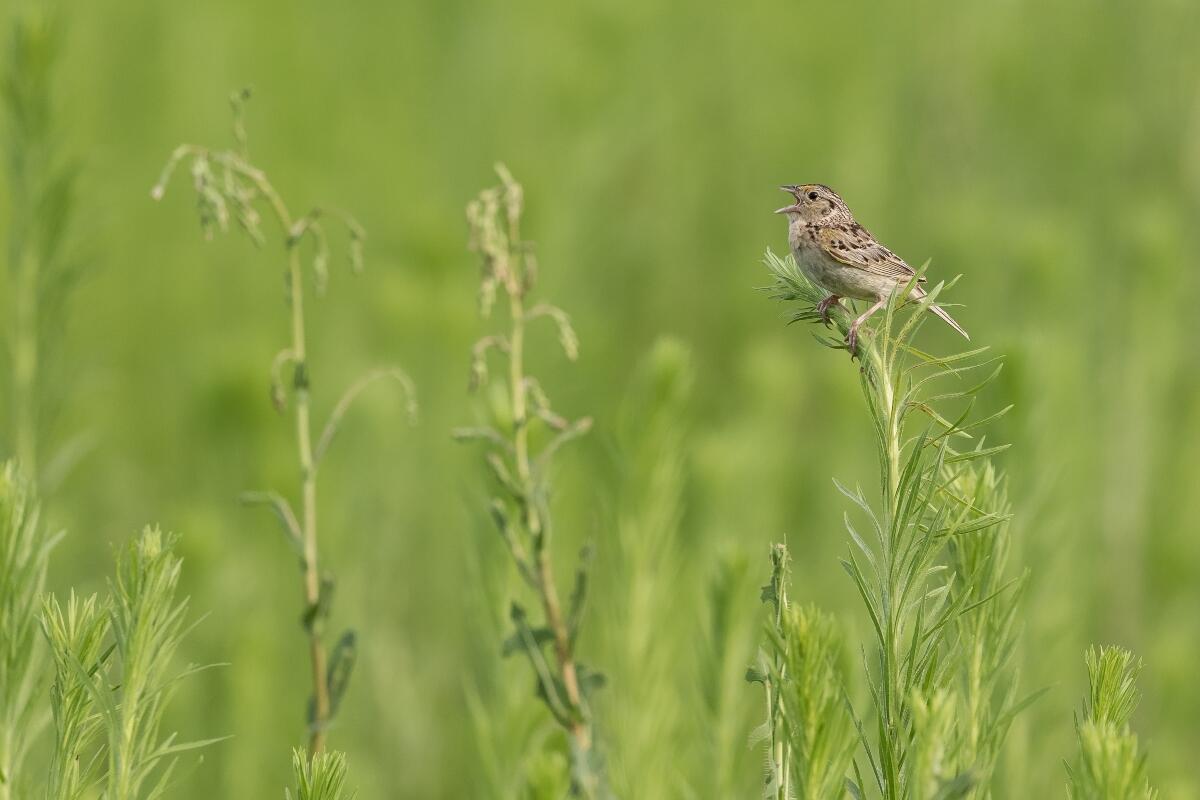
pixel 308 477
pixel 883 369
pixel 781 750
pixel 539 533
pixel 523 517
pixel 308 472
pixel 230 188
pixel 516 377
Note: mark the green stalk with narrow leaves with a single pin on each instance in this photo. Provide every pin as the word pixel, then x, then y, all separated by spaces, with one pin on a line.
pixel 147 623
pixel 930 568
pixel 114 677
pixel 522 511
pixel 230 189
pixel 77 633
pixel 808 733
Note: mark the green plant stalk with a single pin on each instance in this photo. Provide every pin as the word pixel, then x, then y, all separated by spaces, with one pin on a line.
pixel 893 444
pixel 811 739
pixel 308 469
pixel 308 477
pixel 879 378
pixel 523 516
pixel 539 534
pixel 929 615
pixel 123 697
pixel 293 231
pixel 76 633
pixel 229 188
pixel 882 378
pixel 780 747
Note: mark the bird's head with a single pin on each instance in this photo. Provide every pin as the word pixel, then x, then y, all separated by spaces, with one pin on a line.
pixel 815 203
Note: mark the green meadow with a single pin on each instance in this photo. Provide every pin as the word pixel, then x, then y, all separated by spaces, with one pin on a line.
pixel 1049 154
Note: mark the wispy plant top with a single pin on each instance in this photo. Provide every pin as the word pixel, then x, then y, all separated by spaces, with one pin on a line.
pixel 509 264
pixel 231 189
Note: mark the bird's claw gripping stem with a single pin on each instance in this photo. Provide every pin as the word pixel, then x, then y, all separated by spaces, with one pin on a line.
pixel 852 341
pixel 824 306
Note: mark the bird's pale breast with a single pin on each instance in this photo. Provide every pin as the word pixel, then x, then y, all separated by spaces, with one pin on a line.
pixel 832 275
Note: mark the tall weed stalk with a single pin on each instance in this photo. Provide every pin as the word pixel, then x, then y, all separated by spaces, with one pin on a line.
pixel 230 190
pixel 929 567
pixel 521 468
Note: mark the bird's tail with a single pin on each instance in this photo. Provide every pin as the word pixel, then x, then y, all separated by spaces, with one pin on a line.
pixel 918 293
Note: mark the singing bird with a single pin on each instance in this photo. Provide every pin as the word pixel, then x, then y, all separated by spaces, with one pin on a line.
pixel 843 258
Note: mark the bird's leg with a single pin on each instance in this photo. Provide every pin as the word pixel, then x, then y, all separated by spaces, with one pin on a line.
pixel 852 336
pixel 824 306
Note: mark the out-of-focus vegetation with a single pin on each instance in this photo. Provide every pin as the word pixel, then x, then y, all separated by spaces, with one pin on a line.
pixel 1048 153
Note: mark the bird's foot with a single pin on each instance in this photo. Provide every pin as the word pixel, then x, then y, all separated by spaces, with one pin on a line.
pixel 852 334
pixel 852 341
pixel 824 306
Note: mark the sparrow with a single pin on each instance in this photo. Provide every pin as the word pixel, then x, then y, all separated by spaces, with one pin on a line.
pixel 843 258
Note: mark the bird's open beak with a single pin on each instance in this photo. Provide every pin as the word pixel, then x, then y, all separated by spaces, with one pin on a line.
pixel 793 190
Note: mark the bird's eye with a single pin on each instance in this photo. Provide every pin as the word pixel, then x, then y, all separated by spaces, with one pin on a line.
pixel 812 195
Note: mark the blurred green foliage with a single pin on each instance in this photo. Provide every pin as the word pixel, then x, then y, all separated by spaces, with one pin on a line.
pixel 1049 152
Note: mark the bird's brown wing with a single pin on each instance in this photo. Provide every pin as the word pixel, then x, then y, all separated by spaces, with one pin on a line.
pixel 854 246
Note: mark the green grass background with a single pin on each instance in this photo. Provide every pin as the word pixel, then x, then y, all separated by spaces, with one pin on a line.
pixel 1048 152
